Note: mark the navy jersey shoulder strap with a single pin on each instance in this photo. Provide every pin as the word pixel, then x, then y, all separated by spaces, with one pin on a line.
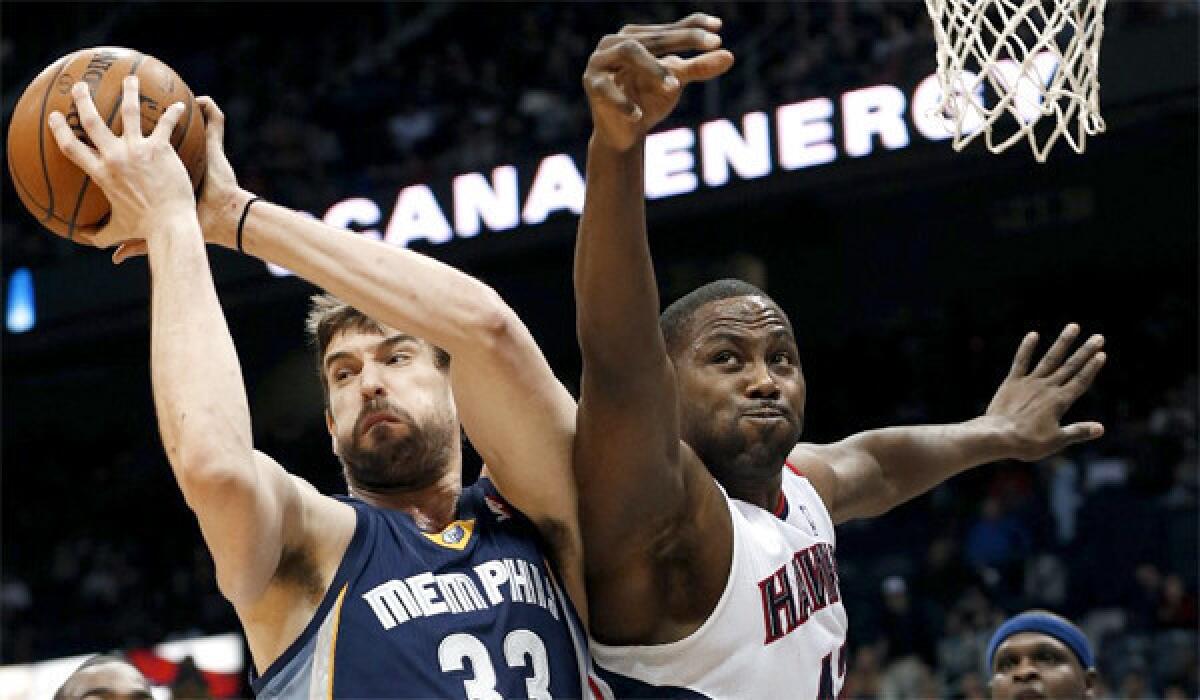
pixel 352 562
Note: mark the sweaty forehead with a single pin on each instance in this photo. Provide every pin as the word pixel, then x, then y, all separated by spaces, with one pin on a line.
pixel 746 314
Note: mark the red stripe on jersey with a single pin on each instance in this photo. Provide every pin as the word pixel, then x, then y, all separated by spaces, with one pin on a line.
pixel 595 688
pixel 795 471
pixel 780 505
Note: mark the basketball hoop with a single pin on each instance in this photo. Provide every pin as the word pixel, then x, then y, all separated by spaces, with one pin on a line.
pixel 1034 60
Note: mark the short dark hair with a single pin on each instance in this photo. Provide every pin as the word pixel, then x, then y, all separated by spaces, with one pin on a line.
pixel 328 316
pixel 96 660
pixel 677 317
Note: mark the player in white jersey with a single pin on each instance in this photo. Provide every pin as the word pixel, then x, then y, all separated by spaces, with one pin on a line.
pixel 708 532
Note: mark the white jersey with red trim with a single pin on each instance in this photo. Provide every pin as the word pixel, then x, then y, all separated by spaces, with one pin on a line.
pixel 779 628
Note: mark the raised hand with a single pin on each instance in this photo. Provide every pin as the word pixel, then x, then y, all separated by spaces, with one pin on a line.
pixel 221 199
pixel 634 78
pixel 142 176
pixel 1031 404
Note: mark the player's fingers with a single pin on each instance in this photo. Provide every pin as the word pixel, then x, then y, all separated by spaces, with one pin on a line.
pixel 1020 365
pixel 677 40
pixel 214 121
pixel 706 66
pixel 75 150
pixel 609 96
pixel 628 55
pixel 93 124
pixel 1080 432
pixel 102 237
pixel 1078 359
pixel 1054 356
pixel 1082 381
pixel 166 123
pixel 699 19
pixel 127 250
pixel 696 19
pixel 131 109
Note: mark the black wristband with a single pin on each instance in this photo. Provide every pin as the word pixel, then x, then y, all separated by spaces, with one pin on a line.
pixel 242 222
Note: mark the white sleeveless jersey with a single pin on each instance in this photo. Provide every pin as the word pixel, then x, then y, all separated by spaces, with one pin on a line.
pixel 779 628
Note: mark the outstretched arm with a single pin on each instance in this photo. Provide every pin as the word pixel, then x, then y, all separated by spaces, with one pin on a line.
pixel 644 488
pixel 249 509
pixel 872 472
pixel 517 414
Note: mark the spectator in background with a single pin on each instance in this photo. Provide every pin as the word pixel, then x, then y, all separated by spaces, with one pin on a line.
pixel 970 687
pixel 105 676
pixel 997 545
pixel 1135 687
pixel 1142 603
pixel 864 679
pixel 907 642
pixel 1040 654
pixel 1061 475
pixel 189 683
pixel 1176 607
pixel 945 576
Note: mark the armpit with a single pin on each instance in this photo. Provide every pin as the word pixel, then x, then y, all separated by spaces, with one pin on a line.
pixel 297 569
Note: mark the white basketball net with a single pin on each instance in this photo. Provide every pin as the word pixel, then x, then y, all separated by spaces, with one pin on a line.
pixel 1035 58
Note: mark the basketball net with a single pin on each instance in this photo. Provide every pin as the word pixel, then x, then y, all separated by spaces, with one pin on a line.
pixel 1036 60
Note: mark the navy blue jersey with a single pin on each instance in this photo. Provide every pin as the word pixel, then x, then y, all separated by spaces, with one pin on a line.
pixel 474 611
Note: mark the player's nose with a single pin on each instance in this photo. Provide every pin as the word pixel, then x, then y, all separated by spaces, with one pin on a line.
pixel 371 382
pixel 762 384
pixel 1025 670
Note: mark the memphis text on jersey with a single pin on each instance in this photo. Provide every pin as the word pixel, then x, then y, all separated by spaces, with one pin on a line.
pixel 806 584
pixel 427 594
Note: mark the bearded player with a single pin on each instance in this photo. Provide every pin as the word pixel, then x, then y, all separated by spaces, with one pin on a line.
pixel 410 586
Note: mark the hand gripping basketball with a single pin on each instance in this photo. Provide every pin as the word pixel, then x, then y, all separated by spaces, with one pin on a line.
pixel 220 200
pixel 142 176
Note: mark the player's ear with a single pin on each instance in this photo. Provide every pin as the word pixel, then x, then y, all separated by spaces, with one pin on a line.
pixel 1089 684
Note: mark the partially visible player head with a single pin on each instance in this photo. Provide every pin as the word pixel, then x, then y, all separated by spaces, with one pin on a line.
pixel 105 677
pixel 1038 654
pixel 741 389
pixel 388 402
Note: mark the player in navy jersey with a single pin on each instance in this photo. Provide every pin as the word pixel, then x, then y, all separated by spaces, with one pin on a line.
pixel 411 586
pixel 708 531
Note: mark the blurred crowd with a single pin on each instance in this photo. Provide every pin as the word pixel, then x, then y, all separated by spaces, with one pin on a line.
pixel 386 94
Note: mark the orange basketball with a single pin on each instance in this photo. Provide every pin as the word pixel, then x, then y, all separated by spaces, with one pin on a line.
pixel 55 191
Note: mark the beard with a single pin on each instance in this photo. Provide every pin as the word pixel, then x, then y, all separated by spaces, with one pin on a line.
pixel 733 454
pixel 404 455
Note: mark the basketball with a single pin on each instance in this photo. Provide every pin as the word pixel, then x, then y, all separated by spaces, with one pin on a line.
pixel 56 192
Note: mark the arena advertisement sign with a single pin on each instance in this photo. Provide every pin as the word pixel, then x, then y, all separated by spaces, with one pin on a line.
pixel 679 162
pixel 682 161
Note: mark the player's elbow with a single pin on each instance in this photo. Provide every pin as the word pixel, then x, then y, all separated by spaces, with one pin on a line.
pixel 492 328
pixel 206 476
pixel 885 495
pixel 496 328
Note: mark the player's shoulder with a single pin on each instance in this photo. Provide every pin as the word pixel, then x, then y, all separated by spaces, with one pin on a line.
pixel 814 464
pixel 808 460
